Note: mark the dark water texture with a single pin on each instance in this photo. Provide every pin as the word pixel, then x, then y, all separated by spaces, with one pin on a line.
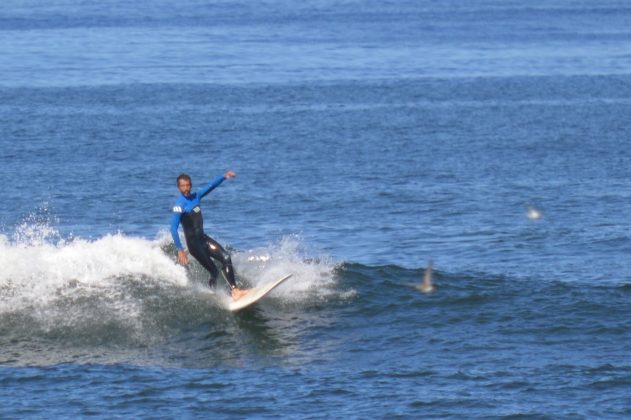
pixel 480 345
pixel 369 138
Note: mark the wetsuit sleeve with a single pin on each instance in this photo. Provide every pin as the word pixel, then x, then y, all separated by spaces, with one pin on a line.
pixel 208 188
pixel 175 223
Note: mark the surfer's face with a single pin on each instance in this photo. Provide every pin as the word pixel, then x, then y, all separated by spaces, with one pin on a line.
pixel 184 186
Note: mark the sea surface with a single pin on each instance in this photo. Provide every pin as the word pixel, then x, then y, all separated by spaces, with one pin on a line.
pixel 491 139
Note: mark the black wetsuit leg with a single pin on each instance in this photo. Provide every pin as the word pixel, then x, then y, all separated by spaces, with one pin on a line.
pixel 205 249
pixel 220 254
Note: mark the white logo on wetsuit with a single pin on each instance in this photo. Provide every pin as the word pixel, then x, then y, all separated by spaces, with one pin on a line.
pixel 197 209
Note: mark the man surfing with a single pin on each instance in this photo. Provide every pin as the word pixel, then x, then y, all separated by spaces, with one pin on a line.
pixel 187 210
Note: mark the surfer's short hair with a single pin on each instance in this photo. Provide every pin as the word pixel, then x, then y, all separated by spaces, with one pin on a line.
pixel 184 177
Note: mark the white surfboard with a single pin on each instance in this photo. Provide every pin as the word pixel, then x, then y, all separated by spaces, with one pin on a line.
pixel 254 294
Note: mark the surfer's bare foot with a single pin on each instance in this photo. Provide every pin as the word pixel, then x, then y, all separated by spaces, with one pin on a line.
pixel 238 293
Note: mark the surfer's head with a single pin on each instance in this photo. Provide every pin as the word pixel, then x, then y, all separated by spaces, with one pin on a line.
pixel 184 184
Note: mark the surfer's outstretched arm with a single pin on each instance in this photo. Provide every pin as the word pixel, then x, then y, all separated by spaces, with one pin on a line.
pixel 208 188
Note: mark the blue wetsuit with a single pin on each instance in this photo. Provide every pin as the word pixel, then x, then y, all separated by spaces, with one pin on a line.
pixel 201 246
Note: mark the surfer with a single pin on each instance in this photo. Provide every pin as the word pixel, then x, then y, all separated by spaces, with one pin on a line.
pixel 187 210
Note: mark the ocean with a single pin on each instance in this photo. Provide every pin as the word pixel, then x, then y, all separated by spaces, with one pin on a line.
pixel 370 139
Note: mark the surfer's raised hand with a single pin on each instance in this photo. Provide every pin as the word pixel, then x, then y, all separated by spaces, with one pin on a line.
pixel 229 175
pixel 182 258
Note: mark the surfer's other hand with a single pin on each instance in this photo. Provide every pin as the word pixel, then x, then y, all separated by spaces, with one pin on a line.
pixel 181 257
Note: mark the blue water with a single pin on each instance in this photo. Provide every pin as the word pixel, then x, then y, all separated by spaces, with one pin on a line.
pixel 369 138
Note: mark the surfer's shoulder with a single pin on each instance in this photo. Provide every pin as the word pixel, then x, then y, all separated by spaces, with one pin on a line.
pixel 180 204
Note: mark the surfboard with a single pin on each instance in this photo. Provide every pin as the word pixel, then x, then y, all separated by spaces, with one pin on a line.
pixel 255 294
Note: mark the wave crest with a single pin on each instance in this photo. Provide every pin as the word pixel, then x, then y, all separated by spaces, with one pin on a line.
pixel 119 290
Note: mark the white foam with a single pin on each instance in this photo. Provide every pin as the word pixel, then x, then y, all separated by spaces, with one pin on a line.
pixel 533 213
pixel 313 278
pixel 36 272
pixel 128 282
